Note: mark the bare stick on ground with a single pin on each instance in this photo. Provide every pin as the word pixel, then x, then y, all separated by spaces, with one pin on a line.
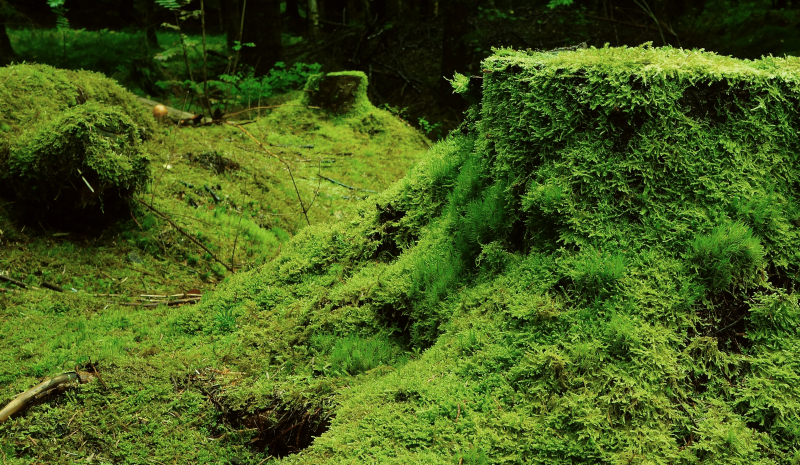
pixel 42 389
pixel 13 281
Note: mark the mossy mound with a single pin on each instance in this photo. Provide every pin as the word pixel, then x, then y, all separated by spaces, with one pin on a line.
pixel 70 142
pixel 600 267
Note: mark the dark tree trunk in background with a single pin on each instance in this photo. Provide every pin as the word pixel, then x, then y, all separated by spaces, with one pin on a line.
pixel 334 10
pixel 127 14
pixel 355 11
pixel 379 9
pixel 7 54
pixel 262 26
pixel 312 15
pixel 454 49
pixel 294 21
pixel 150 23
pixel 231 18
pixel 425 8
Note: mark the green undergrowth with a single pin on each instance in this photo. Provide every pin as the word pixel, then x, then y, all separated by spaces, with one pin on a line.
pixel 597 267
pixel 159 71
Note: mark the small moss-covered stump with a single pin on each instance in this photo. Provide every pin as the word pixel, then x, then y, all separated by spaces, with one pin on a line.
pixel 70 142
pixel 338 93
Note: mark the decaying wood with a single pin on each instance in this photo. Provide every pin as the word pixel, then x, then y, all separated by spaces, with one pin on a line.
pixel 42 390
pixel 45 284
pixel 175 115
pixel 51 286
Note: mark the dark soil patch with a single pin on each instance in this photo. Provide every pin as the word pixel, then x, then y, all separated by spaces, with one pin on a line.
pixel 282 431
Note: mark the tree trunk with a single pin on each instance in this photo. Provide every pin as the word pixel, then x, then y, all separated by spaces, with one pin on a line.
pixel 379 10
pixel 425 8
pixel 150 24
pixel 127 13
pixel 231 17
pixel 262 27
pixel 313 18
pixel 454 49
pixel 355 11
pixel 7 54
pixel 335 11
pixel 294 21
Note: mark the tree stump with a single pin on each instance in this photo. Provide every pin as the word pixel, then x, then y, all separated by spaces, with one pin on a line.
pixel 337 93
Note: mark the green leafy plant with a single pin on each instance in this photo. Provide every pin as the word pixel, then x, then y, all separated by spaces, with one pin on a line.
pixel 552 4
pixel 431 129
pixel 245 89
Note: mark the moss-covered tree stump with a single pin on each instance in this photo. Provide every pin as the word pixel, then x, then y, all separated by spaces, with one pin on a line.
pixel 338 93
pixel 70 143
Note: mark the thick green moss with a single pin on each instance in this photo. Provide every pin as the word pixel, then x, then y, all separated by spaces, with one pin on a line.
pixel 597 268
pixel 589 269
pixel 71 141
pixel 84 154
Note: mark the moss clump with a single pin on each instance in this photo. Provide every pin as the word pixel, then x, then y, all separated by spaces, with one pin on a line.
pixel 70 141
pixel 86 155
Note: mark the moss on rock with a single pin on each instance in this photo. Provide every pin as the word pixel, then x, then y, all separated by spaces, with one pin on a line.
pixel 70 141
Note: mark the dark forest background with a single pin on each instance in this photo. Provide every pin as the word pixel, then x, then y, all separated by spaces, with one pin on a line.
pixel 408 47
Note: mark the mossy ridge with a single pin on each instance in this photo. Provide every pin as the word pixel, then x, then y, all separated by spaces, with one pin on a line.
pixel 567 319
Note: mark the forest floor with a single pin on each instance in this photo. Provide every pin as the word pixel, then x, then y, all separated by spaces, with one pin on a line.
pixel 539 287
pixel 224 198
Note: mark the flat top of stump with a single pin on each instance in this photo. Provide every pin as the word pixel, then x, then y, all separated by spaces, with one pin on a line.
pixel 648 62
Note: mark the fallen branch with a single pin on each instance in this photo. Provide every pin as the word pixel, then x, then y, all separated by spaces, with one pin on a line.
pixel 345 185
pixel 185 234
pixel 175 115
pixel 183 301
pixel 51 286
pixel 45 388
pixel 13 281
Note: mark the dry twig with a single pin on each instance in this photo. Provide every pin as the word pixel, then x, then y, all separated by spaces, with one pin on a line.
pixel 41 390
